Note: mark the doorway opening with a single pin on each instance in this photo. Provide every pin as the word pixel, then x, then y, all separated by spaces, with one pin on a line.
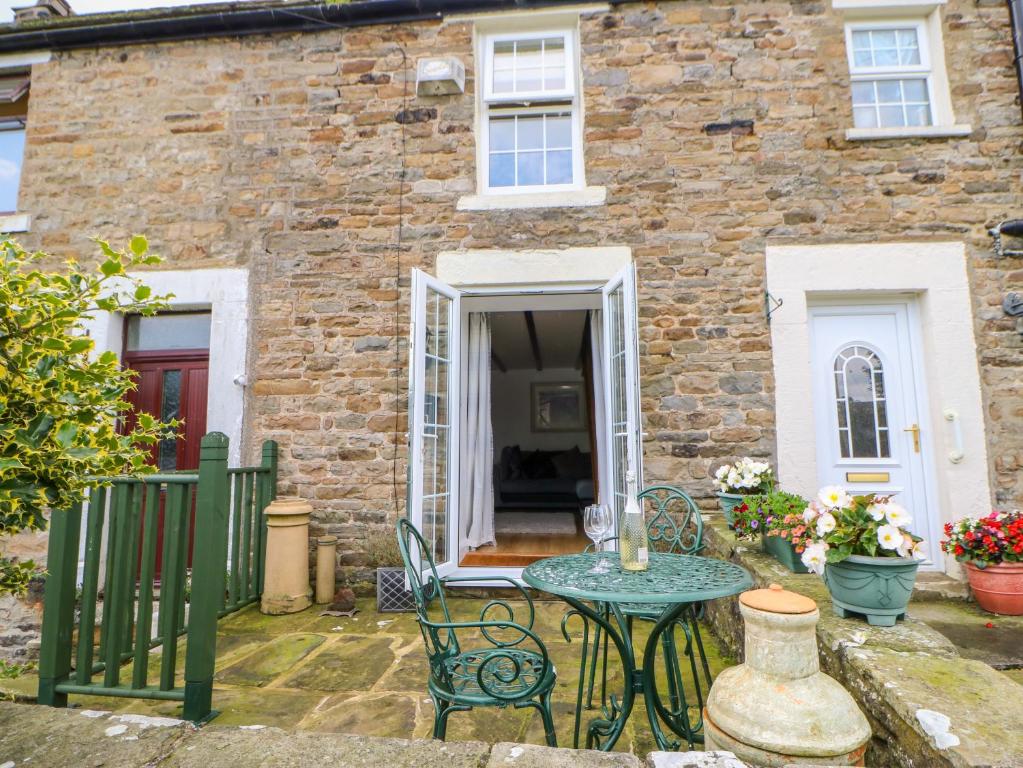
pixel 543 422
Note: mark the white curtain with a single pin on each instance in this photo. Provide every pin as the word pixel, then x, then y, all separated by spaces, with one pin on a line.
pixel 599 418
pixel 477 461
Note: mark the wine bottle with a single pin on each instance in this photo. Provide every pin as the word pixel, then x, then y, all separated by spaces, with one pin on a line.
pixel 634 542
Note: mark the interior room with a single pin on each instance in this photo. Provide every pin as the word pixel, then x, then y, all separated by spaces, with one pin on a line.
pixel 543 434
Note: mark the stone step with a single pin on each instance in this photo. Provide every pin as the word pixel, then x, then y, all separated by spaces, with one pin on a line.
pixel 939 586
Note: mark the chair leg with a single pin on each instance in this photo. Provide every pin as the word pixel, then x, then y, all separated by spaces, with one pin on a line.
pixel 548 720
pixel 441 711
pixel 671 669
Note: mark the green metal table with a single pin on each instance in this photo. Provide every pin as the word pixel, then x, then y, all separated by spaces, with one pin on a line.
pixel 677 581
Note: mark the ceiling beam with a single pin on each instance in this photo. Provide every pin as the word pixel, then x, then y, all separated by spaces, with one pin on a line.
pixel 534 341
pixel 498 362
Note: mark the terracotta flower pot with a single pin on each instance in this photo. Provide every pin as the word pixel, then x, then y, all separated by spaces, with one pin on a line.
pixel 998 588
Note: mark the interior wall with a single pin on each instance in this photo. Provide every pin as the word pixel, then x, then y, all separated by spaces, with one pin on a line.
pixel 511 411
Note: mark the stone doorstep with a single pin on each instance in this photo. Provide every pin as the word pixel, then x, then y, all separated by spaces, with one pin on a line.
pixel 51 737
pixel 895 674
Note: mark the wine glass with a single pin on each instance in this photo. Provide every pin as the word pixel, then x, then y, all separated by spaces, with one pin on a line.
pixel 597 523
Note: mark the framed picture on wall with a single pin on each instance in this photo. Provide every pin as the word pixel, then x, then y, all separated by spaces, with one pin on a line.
pixel 558 407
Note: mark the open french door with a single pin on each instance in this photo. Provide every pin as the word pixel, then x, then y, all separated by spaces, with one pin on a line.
pixel 623 450
pixel 432 501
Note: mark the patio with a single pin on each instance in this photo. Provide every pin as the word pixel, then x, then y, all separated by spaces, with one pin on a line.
pixel 367 675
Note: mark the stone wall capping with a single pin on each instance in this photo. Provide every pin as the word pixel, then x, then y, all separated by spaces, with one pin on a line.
pixel 575 198
pixel 917 132
pixel 892 673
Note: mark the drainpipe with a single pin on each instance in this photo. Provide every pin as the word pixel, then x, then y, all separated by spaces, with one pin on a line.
pixel 1016 20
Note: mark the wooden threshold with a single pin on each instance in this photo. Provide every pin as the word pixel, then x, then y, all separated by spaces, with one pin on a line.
pixel 519 550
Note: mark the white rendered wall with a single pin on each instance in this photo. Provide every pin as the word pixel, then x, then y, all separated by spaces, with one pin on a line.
pixel 225 292
pixel 933 272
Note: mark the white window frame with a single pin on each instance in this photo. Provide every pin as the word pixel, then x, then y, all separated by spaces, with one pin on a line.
pixel 923 70
pixel 926 20
pixel 568 100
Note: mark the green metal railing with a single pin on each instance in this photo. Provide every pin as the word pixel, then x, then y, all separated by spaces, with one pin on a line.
pixel 121 535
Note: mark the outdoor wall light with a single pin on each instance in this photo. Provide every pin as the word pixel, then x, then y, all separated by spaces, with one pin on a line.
pixel 1012 228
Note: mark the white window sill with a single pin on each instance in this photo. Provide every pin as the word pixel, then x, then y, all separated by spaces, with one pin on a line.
pixel 920 132
pixel 14 222
pixel 574 198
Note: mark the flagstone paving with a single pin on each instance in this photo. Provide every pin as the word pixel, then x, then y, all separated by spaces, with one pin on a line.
pixel 367 675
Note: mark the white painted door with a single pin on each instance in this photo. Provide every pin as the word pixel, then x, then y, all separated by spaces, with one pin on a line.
pixel 432 494
pixel 623 449
pixel 870 408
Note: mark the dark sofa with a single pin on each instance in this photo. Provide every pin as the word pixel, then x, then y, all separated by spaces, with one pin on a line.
pixel 543 479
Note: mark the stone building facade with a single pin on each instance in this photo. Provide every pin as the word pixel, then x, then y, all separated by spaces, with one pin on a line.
pixel 718 132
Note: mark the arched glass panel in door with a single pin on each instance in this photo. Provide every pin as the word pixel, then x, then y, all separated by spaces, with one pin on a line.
pixel 861 404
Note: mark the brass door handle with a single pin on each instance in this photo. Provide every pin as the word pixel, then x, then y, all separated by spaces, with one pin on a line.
pixel 915 429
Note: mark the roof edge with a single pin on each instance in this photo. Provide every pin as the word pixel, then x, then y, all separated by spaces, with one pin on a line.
pixel 240 19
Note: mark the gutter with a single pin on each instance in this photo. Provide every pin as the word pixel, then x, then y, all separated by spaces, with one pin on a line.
pixel 239 20
pixel 1016 20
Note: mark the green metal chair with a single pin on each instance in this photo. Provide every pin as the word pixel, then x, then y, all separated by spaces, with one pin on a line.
pixel 497 676
pixel 675 527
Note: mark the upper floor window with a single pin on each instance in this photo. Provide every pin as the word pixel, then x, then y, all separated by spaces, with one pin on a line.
pixel 891 75
pixel 13 111
pixel 531 127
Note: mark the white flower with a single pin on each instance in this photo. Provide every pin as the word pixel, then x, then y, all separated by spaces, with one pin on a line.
pixel 897 515
pixel 814 557
pixel 834 497
pixel 811 511
pixel 889 537
pixel 876 511
pixel 722 471
pixel 826 524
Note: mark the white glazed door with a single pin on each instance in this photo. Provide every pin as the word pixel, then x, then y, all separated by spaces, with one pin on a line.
pixel 623 449
pixel 870 419
pixel 432 501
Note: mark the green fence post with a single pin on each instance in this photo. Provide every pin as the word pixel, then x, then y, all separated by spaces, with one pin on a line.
pixel 268 482
pixel 59 604
pixel 208 569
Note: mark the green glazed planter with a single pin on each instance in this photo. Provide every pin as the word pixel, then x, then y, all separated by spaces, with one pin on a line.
pixel 783 551
pixel 728 502
pixel 876 587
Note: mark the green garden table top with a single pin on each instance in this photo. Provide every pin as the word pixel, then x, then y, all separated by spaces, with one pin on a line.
pixel 669 579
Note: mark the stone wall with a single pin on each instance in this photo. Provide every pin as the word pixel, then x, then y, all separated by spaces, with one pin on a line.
pixel 716 127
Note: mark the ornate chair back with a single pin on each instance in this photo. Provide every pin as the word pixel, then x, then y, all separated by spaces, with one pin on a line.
pixel 676 525
pixel 431 604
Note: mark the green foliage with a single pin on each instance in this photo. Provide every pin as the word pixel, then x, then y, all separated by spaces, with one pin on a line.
pixel 59 402
pixel 381 550
pixel 761 513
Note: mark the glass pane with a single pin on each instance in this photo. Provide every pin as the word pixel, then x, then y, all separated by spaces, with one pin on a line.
pixel 502 170
pixel 504 80
pixel 891 117
pixel 559 167
pixel 502 133
pixel 177 330
pixel 170 408
pixel 436 424
pixel 909 56
pixel 882 38
pixel 863 58
pixel 12 147
pixel 554 78
pixel 863 92
pixel 530 168
pixel 864 117
pixel 861 40
pixel 861 409
pixel 530 132
pixel 918 115
pixel 886 57
pixel 915 90
pixel 559 132
pixel 889 91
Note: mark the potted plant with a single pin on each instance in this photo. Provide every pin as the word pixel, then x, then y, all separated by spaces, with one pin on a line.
pixel 745 477
pixel 382 552
pixel 991 548
pixel 868 559
pixel 777 517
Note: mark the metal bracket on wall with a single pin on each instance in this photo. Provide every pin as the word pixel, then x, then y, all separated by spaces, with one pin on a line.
pixel 1012 228
pixel 1012 305
pixel 771 305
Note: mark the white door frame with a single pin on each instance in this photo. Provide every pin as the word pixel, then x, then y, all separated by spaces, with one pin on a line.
pixel 934 272
pixel 924 486
pixel 500 281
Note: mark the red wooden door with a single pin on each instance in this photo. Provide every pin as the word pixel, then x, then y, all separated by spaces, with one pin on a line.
pixel 172 384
